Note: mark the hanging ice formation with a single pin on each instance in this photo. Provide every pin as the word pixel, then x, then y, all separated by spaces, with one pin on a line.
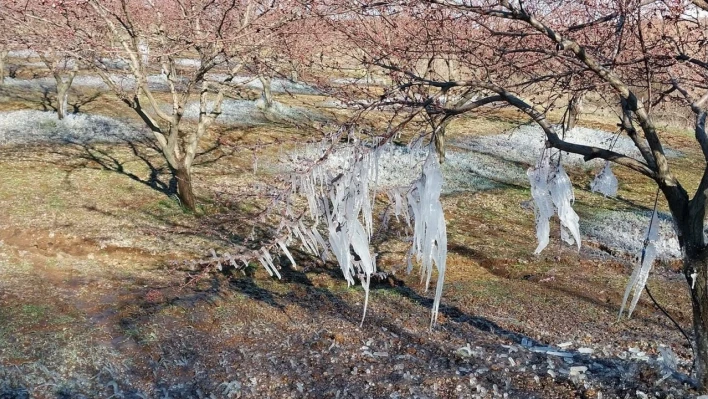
pixel 343 202
pixel 641 271
pixel 552 192
pixel 429 230
pixel 605 182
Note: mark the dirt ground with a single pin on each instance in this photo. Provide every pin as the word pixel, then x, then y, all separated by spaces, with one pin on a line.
pixel 96 302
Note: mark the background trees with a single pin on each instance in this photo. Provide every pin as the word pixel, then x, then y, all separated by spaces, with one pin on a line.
pixel 47 32
pixel 185 50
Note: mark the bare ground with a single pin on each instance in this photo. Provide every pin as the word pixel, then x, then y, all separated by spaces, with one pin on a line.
pixel 94 302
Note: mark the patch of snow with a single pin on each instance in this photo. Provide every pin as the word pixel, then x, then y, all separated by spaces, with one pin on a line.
pixel 524 143
pixel 399 166
pixel 624 232
pixel 248 113
pixel 277 85
pixel 28 126
pixel 22 53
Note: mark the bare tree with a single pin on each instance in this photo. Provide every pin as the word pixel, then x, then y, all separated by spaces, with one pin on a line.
pixel 43 30
pixel 536 56
pixel 139 48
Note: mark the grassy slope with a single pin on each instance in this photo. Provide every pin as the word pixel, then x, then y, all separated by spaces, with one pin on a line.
pixel 89 303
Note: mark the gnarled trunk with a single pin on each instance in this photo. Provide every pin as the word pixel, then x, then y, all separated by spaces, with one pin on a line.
pixel 696 272
pixel 184 188
pixel 440 143
pixel 439 139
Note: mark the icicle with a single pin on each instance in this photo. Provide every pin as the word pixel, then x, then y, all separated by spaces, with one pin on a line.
pixel 429 233
pixel 605 182
pixel 269 263
pixel 321 242
pixel 562 195
pixel 366 284
pixel 640 274
pixel 543 209
pixel 287 253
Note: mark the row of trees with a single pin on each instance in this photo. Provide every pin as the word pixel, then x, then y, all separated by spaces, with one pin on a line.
pixel 196 48
pixel 438 59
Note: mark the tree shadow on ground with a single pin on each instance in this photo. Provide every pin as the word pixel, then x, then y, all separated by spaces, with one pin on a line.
pixel 46 98
pixel 578 293
pixel 182 338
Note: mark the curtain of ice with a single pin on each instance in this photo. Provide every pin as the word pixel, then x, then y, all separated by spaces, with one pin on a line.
pixel 344 203
pixel 429 230
pixel 552 193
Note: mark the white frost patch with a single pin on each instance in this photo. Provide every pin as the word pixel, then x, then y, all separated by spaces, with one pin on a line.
pixel 22 53
pixel 188 62
pixel 127 82
pixel 399 166
pixel 624 232
pixel 525 142
pixel 363 81
pixel 248 113
pixel 277 85
pixel 159 82
pixel 24 127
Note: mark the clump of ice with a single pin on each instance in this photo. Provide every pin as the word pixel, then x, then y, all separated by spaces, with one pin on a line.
pixel 543 204
pixel 563 198
pixel 29 126
pixel 552 191
pixel 605 182
pixel 523 143
pixel 429 231
pixel 340 192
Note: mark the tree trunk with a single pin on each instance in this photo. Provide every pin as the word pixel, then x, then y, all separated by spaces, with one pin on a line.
pixel 62 100
pixel 439 139
pixel 440 142
pixel 696 272
pixel 267 94
pixel 3 56
pixel 184 188
pixel 575 106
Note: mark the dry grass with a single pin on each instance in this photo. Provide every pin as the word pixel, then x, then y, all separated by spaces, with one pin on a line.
pixel 88 296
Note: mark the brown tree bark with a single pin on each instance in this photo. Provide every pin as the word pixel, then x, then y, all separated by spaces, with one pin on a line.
pixel 440 140
pixel 3 57
pixel 696 272
pixel 62 99
pixel 575 107
pixel 184 188
pixel 266 94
